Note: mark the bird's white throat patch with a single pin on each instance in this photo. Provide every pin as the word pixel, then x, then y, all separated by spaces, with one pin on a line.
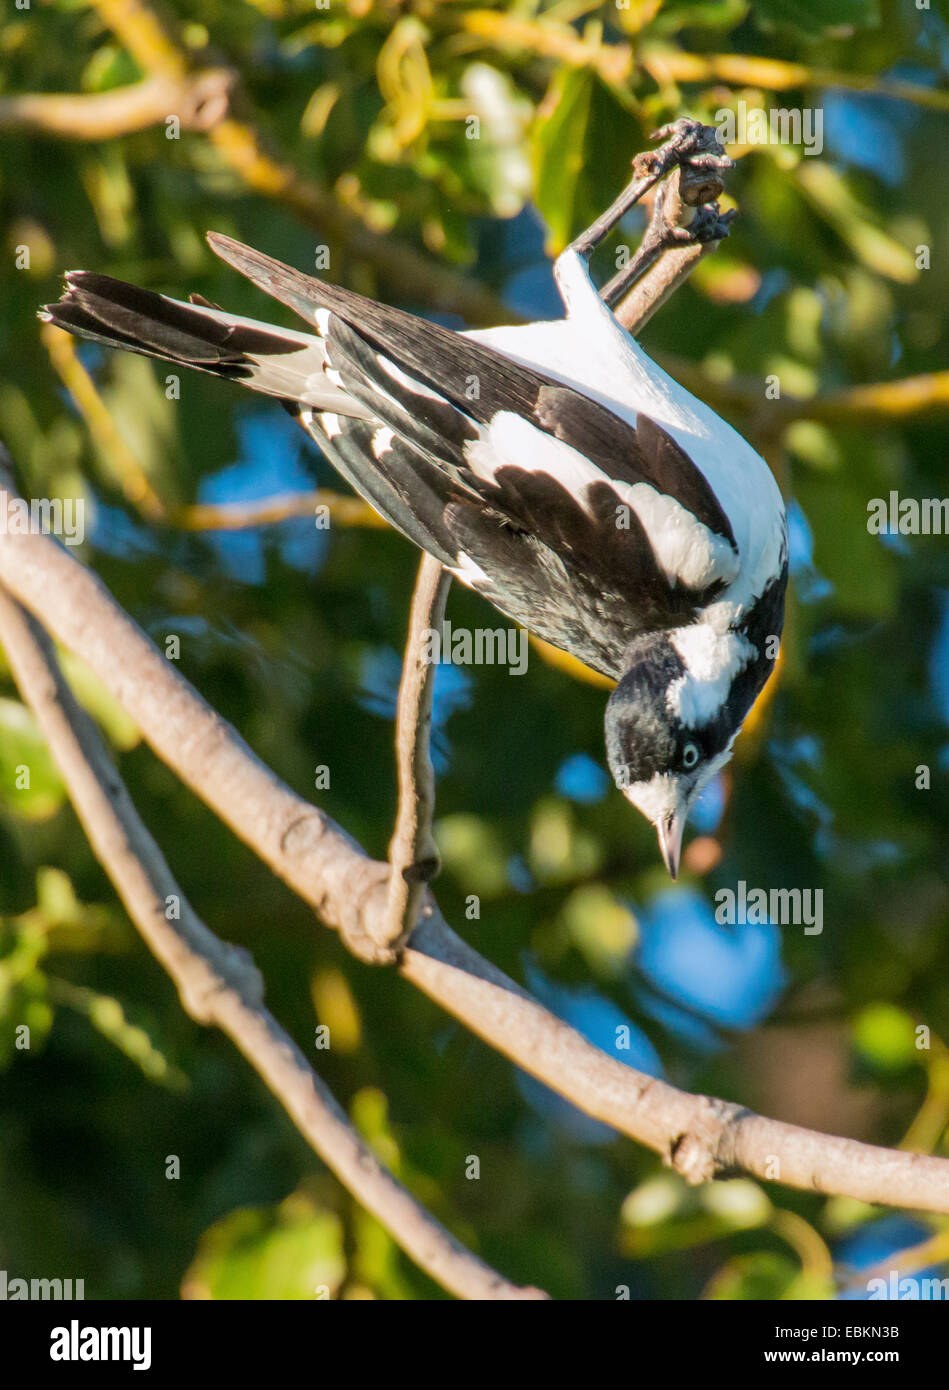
pixel 712 660
pixel 657 798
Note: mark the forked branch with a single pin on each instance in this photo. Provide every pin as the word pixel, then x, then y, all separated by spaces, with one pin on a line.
pixel 219 984
pixel 699 1136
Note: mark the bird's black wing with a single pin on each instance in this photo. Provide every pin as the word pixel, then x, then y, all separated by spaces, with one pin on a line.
pixel 465 461
pixel 557 510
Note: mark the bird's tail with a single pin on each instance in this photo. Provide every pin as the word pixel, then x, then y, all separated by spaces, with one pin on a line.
pixel 277 361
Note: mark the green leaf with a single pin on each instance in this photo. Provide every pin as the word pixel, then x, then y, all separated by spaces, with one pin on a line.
pixel 294 1252
pixel 30 784
pixel 814 16
pixel 601 927
pixel 857 225
pixel 759 1276
pixel 702 14
pixel 582 144
pixel 107 1016
pixel 473 850
pixel 559 141
pixel 886 1037
pixel 497 162
pixel 104 708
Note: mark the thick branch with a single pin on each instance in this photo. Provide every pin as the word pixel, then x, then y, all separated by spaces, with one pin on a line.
pixel 219 984
pixel 699 1136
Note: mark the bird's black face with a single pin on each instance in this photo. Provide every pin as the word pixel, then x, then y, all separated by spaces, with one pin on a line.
pixel 659 764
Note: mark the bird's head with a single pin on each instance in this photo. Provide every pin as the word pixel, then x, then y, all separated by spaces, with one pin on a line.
pixel 659 759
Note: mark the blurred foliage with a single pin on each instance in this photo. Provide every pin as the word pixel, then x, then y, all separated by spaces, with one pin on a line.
pixel 439 150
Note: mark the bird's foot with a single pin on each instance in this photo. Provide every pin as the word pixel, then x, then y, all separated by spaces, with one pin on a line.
pixel 708 224
pixel 687 144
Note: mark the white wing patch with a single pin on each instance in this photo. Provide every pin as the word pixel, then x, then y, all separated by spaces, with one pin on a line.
pixel 409 382
pixel 511 441
pixel 330 423
pixel 686 551
pixel 382 441
pixel 469 572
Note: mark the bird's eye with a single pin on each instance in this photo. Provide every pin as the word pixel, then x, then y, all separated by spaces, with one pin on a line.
pixel 690 755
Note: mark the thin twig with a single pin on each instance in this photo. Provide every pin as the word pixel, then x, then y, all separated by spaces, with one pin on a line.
pixel 700 1137
pixel 413 854
pixel 266 511
pixel 132 478
pixel 218 983
pixel 199 101
pixel 874 402
pixel 684 142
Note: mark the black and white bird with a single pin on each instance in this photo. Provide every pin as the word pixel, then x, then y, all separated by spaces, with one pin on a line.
pixel 553 468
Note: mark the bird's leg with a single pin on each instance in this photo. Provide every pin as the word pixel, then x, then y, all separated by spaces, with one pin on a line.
pixel 659 235
pixel 687 143
pixel 708 224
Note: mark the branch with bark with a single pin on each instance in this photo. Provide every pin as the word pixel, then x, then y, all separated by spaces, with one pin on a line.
pixel 700 1137
pixel 218 984
pixel 382 911
pixel 413 854
pixel 199 100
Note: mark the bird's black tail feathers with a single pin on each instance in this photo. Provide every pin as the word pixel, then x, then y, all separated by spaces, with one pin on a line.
pixel 196 334
pixel 279 362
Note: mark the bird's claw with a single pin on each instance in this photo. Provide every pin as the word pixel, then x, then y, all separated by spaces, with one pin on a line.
pixel 692 146
pixel 689 145
pixel 709 224
pixel 686 142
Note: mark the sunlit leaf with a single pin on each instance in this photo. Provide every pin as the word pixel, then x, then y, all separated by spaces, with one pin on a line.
pixel 294 1251
pixel 886 1036
pixel 30 784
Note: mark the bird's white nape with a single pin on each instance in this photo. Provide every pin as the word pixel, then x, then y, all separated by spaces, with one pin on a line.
pixel 712 660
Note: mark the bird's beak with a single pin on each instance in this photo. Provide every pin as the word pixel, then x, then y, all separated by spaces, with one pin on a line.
pixel 670 840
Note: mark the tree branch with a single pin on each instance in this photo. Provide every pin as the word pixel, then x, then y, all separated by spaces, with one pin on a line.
pixel 699 1136
pixel 266 511
pixel 413 853
pixel 219 984
pixel 666 64
pixel 874 402
pixel 199 101
pixel 671 264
